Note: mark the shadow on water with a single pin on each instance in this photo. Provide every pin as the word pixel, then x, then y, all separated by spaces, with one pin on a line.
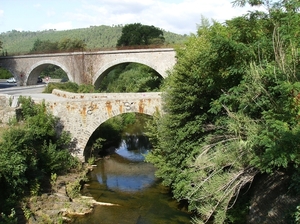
pixel 126 180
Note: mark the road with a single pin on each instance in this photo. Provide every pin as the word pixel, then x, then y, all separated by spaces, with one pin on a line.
pixel 34 91
pixel 13 89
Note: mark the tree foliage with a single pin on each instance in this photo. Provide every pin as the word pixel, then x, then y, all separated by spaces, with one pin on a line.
pixel 65 44
pixel 54 72
pixel 137 34
pixel 132 77
pixel 231 109
pixel 4 73
pixel 30 152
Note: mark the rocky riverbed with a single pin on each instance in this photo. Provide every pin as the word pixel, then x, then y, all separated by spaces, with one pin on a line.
pixel 61 202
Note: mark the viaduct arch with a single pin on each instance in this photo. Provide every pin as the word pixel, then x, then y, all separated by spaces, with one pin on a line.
pixel 86 67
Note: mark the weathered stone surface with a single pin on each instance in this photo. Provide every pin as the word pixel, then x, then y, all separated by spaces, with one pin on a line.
pixel 81 114
pixel 86 67
pixel 6 111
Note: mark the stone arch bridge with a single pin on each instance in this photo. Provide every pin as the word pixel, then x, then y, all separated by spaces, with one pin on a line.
pixel 86 67
pixel 81 114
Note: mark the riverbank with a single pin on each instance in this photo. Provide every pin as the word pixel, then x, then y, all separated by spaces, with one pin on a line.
pixel 61 202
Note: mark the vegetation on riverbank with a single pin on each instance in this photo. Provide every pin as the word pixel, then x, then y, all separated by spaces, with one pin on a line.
pixel 232 113
pixel 32 153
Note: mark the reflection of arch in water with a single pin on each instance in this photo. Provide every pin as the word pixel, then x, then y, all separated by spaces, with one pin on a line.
pixel 133 139
pixel 125 176
pixel 137 144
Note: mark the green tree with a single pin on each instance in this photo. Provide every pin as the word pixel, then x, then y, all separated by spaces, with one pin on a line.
pixel 44 46
pixel 31 152
pixel 68 44
pixel 4 73
pixel 211 63
pixel 54 72
pixel 65 44
pixel 132 77
pixel 137 34
pixel 231 110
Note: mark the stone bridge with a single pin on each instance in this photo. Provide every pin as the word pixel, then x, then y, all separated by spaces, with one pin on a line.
pixel 82 114
pixel 86 67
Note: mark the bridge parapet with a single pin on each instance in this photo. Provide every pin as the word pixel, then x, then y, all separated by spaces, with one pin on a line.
pixel 81 114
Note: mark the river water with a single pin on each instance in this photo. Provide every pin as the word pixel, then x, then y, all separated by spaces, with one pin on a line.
pixel 126 181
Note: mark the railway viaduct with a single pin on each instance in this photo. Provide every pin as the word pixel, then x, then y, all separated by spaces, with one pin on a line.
pixel 86 67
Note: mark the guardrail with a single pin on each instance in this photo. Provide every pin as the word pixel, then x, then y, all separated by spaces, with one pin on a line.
pixel 44 80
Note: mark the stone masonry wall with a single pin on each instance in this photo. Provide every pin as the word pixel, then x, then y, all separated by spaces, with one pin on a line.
pixel 6 111
pixel 82 114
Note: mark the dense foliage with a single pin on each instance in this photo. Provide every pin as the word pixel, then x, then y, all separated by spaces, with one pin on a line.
pixel 30 151
pixel 4 74
pixel 95 38
pixel 231 109
pixel 109 133
pixel 137 34
pixel 70 87
pixel 63 45
pixel 54 72
pixel 131 77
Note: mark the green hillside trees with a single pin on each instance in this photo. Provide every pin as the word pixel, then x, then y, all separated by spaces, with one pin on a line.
pixel 63 45
pixel 95 38
pixel 137 34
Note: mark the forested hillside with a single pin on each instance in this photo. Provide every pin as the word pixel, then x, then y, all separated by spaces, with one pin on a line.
pixel 95 38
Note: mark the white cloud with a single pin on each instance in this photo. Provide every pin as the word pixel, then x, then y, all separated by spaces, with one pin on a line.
pixel 176 16
pixel 51 13
pixel 57 26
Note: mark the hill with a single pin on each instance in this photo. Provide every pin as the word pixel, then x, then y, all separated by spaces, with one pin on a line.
pixel 96 38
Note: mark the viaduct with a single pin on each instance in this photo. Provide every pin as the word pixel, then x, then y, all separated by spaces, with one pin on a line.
pixel 86 67
pixel 82 114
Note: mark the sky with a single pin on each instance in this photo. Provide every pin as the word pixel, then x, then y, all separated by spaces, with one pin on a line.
pixel 178 16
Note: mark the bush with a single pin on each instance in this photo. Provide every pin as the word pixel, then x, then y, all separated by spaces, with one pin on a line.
pixel 29 152
pixel 4 74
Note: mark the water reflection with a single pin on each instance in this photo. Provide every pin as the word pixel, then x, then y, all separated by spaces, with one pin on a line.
pixel 134 147
pixel 126 180
pixel 117 173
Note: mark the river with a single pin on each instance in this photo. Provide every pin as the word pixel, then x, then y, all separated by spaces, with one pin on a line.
pixel 126 181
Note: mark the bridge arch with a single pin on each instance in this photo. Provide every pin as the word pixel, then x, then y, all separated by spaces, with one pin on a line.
pixel 82 114
pixel 35 70
pixel 86 150
pixel 106 68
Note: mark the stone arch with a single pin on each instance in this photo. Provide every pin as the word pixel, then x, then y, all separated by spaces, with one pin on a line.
pixel 108 66
pixel 96 125
pixel 81 114
pixel 32 74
